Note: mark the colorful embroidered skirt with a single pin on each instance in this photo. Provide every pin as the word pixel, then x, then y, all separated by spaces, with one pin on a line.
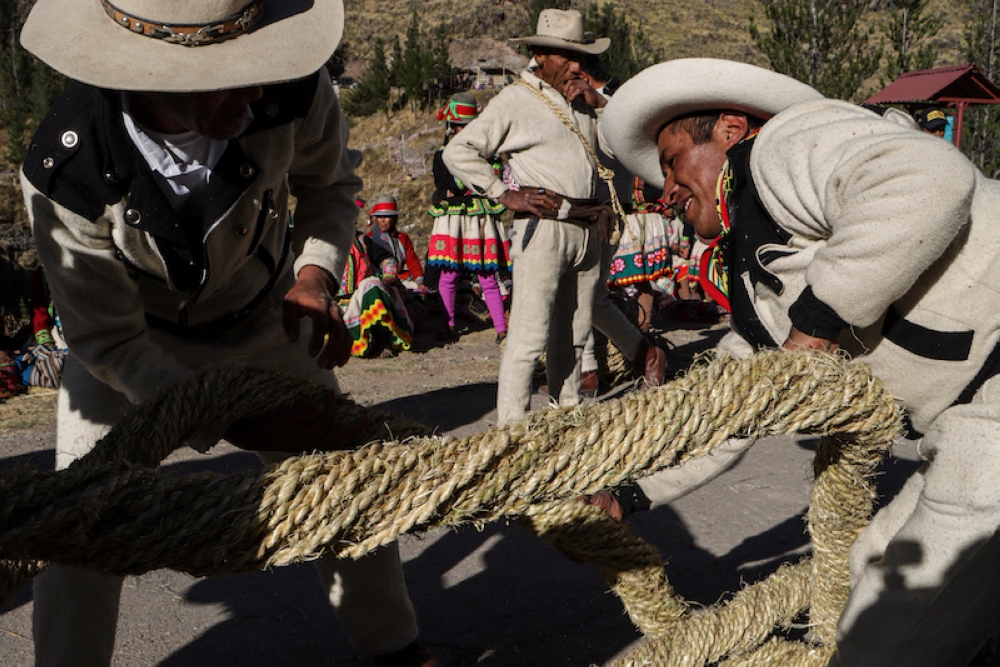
pixel 375 320
pixel 644 252
pixel 474 242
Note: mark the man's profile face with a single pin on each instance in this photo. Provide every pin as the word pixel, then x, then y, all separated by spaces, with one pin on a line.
pixel 222 114
pixel 691 173
pixel 557 67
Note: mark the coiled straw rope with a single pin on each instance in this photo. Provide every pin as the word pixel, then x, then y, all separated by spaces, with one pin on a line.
pixel 114 512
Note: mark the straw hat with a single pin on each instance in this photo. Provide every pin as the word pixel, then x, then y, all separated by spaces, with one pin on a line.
pixel 563 29
pixel 645 103
pixel 183 45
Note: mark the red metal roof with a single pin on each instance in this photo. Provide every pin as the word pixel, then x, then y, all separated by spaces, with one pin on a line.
pixel 964 83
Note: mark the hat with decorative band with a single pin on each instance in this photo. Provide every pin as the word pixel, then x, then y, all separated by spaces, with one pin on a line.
pixel 461 109
pixel 384 205
pixel 183 46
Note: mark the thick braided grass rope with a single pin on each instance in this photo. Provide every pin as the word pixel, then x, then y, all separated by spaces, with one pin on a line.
pixel 114 512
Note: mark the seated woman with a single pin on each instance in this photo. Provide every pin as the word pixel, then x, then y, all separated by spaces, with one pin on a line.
pixel 372 301
pixel 382 230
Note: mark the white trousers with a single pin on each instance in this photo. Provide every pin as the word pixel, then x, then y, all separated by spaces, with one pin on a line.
pixel 555 277
pixel 926 573
pixel 76 611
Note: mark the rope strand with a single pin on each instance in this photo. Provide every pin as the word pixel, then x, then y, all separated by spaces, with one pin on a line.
pixel 113 511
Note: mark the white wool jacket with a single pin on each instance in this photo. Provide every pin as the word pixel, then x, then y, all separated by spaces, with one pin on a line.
pixel 896 232
pixel 541 150
pixel 119 260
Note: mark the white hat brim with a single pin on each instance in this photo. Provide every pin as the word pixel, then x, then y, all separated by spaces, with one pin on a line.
pixel 78 39
pixel 638 110
pixel 597 47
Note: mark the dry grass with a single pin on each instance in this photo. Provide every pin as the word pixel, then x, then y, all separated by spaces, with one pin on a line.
pixel 36 409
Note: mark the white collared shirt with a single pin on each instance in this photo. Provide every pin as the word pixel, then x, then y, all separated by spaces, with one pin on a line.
pixel 184 161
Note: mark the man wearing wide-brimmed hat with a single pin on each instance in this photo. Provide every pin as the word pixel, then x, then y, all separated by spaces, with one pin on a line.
pixel 158 191
pixel 554 250
pixel 839 227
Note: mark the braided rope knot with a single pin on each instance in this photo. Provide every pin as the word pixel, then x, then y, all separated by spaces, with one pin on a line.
pixel 115 512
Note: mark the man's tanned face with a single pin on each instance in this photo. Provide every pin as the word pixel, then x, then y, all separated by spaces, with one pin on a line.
pixel 691 170
pixel 557 67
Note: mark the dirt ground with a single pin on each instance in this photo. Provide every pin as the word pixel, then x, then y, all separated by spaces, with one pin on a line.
pixel 498 597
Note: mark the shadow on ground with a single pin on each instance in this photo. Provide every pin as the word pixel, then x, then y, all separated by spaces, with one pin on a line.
pixel 446 409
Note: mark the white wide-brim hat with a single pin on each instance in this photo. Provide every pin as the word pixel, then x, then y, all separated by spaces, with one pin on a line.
pixel 160 45
pixel 563 29
pixel 638 110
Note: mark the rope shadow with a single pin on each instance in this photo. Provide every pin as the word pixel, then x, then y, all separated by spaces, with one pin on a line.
pixel 445 409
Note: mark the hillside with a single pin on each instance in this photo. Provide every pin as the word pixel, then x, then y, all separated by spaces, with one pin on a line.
pixel 680 28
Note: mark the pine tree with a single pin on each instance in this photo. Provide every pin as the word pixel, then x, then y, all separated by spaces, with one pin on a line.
pixel 442 71
pixel 27 86
pixel 909 31
pixel 371 93
pixel 630 50
pixel 415 70
pixel 820 42
pixel 982 122
pixel 397 61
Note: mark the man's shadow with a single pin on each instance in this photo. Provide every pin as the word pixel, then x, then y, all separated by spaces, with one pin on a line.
pixel 962 621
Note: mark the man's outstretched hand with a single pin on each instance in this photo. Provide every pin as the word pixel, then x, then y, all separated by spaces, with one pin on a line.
pixel 305 427
pixel 314 296
pixel 798 341
pixel 607 502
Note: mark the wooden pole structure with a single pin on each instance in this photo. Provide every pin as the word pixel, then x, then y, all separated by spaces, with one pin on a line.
pixel 956 136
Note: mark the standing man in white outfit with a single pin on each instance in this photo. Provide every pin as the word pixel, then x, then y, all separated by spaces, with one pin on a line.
pixel 554 250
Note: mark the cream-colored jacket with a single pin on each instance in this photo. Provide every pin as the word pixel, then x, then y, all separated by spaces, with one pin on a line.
pixel 882 217
pixel 541 150
pixel 109 242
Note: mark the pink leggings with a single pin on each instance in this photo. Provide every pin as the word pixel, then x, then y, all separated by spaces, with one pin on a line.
pixel 491 295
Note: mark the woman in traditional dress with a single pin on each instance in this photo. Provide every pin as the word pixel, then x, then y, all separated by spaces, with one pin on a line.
pixel 467 235
pixel 372 303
